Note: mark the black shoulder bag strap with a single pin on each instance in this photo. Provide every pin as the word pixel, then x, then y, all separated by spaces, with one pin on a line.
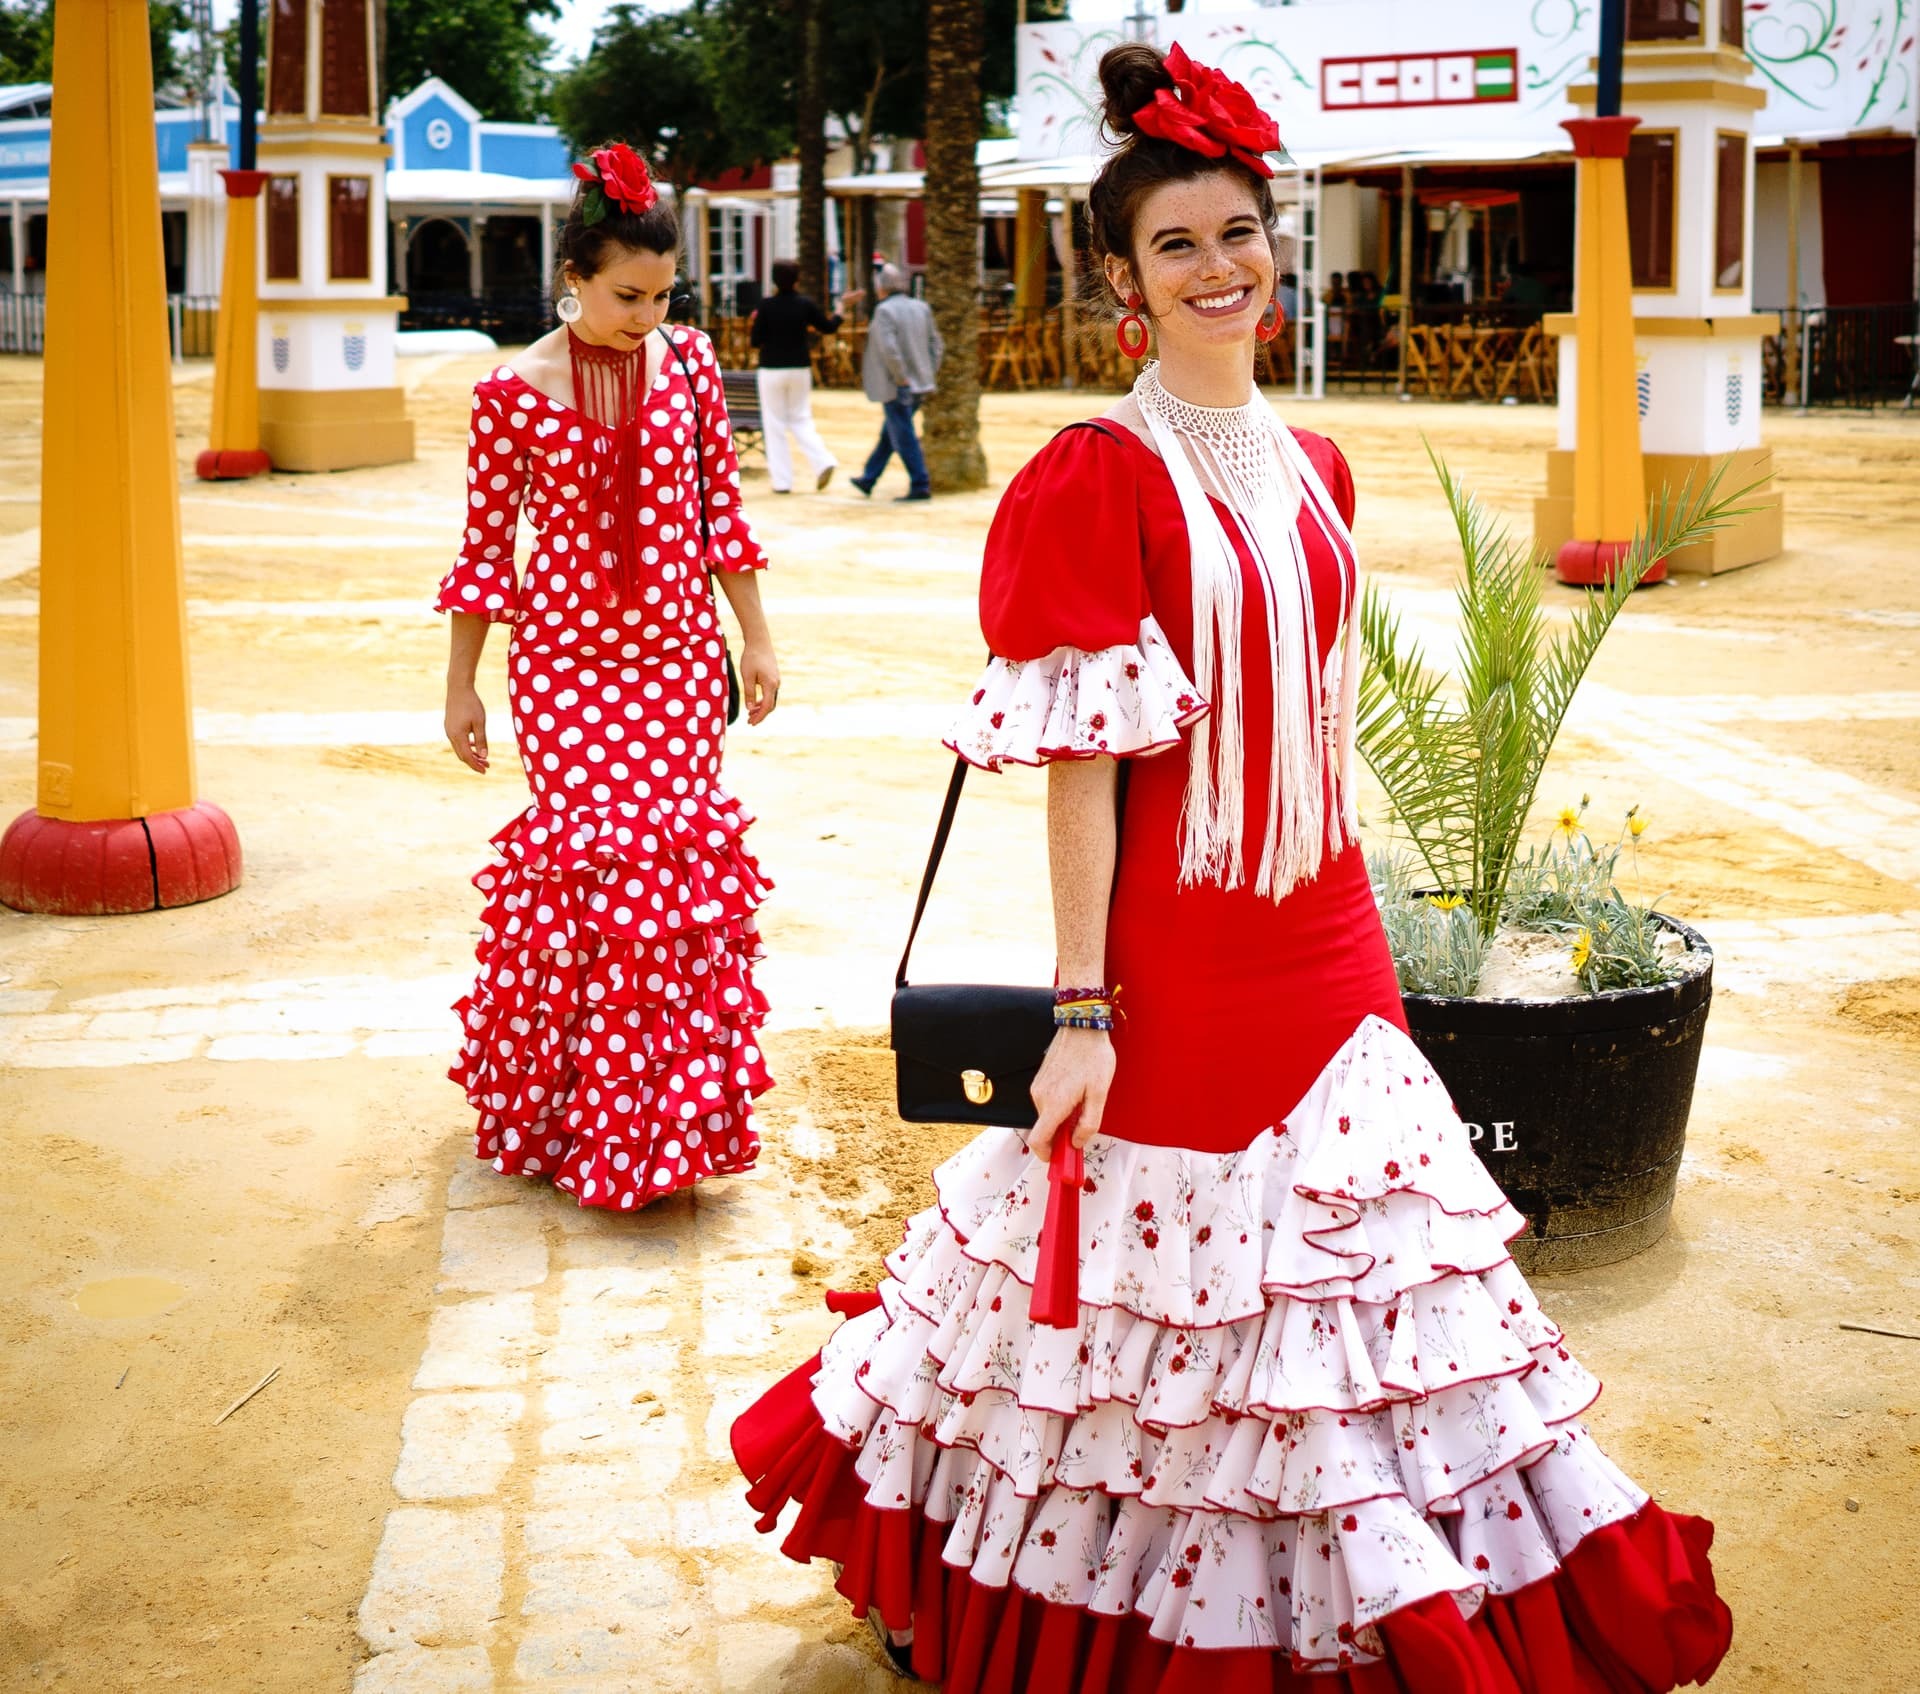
pixel 951 805
pixel 700 473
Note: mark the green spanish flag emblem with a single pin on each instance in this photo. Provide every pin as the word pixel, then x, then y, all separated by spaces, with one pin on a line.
pixel 1493 76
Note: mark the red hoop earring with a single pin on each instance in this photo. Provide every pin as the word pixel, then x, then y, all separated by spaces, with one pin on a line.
pixel 1272 321
pixel 1131 331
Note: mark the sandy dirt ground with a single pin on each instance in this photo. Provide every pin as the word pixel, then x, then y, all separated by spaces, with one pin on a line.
pixel 494 1453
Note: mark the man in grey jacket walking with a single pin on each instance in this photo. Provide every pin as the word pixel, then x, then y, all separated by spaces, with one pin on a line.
pixel 903 353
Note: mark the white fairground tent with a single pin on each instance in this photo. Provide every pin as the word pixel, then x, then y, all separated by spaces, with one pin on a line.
pixel 1297 192
pixel 1297 186
pixel 1365 89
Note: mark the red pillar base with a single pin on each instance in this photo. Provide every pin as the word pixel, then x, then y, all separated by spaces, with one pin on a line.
pixel 118 865
pixel 1591 564
pixel 231 465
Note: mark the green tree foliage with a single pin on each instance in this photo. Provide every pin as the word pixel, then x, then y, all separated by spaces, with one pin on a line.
pixel 491 52
pixel 715 85
pixel 651 80
pixel 26 40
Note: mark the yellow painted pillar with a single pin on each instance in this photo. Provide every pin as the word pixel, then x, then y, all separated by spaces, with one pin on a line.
pixel 234 447
pixel 116 827
pixel 1030 252
pixel 1609 481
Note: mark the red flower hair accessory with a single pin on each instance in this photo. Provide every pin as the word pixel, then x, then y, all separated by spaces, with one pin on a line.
pixel 620 175
pixel 1209 113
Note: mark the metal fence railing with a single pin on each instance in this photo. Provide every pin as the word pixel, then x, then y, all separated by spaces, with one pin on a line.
pixel 1850 356
pixel 23 322
pixel 192 320
pixel 510 318
pixel 1845 356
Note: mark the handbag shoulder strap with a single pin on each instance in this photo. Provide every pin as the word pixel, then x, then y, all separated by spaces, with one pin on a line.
pixel 941 831
pixel 951 805
pixel 699 436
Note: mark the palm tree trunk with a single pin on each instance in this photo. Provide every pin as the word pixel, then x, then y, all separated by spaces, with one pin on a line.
pixel 955 38
pixel 810 126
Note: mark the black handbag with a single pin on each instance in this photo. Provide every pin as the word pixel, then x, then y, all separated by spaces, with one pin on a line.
pixel 700 470
pixel 967 1052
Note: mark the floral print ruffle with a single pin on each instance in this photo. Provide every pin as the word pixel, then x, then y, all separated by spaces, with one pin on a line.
pixel 1125 701
pixel 1309 1388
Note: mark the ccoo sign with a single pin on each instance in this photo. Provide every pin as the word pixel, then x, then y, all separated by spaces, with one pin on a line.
pixel 1420 79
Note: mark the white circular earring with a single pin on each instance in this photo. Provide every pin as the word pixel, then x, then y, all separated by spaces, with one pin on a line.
pixel 569 308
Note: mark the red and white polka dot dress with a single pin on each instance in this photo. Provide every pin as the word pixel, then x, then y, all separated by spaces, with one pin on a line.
pixel 612 1033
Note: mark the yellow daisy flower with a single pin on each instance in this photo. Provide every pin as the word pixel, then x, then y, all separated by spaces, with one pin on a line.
pixel 1446 902
pixel 1569 820
pixel 1637 823
pixel 1582 950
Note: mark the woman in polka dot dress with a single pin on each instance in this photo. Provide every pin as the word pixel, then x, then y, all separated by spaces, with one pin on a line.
pixel 612 1034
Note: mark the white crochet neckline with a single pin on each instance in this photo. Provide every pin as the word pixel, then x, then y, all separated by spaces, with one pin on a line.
pixel 1255 470
pixel 1239 439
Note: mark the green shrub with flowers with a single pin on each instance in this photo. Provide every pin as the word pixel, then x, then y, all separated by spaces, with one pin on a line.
pixel 1566 888
pixel 1461 758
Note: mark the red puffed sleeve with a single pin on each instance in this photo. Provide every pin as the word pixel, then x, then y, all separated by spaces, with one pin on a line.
pixel 1080 667
pixel 1062 564
pixel 482 579
pixel 731 546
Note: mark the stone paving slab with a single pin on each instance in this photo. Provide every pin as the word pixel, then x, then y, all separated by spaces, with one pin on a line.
pixel 566 1506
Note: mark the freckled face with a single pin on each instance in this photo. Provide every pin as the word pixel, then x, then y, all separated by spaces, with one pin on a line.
pixel 1204 263
pixel 626 299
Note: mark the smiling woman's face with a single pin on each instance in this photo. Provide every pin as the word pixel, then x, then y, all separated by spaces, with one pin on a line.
pixel 1205 265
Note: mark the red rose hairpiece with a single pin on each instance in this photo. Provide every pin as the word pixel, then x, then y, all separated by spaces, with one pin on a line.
pixel 620 176
pixel 1208 113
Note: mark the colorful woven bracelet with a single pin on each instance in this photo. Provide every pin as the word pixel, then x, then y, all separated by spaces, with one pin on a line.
pixel 1066 996
pixel 1087 1015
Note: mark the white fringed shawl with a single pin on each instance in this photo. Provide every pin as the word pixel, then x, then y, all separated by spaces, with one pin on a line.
pixel 1268 485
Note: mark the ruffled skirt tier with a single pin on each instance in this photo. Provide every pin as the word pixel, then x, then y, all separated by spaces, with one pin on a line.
pixel 1312 1423
pixel 611 1037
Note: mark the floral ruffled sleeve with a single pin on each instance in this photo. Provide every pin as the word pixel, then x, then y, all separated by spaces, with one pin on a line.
pixel 1080 666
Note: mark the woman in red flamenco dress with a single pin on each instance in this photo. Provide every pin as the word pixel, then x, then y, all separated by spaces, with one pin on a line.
pixel 611 1038
pixel 1308 1429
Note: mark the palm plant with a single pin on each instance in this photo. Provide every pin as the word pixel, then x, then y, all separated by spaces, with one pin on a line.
pixel 1460 762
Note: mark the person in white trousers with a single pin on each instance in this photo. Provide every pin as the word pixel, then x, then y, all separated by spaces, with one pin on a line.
pixel 780 330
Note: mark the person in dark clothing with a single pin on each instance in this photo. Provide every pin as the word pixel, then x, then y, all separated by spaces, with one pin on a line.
pixel 781 330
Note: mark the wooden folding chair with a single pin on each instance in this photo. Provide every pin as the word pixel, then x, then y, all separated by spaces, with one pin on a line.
pixel 1423 359
pixel 1521 368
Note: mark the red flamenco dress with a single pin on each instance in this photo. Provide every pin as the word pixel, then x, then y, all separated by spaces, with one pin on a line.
pixel 1313 1430
pixel 612 1039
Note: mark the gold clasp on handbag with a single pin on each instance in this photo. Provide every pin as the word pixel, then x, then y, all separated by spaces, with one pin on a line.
pixel 977 1085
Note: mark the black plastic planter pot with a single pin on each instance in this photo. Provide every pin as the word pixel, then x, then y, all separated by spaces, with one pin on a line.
pixel 1578 1107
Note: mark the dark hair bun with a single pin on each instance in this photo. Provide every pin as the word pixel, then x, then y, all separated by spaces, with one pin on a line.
pixel 1130 75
